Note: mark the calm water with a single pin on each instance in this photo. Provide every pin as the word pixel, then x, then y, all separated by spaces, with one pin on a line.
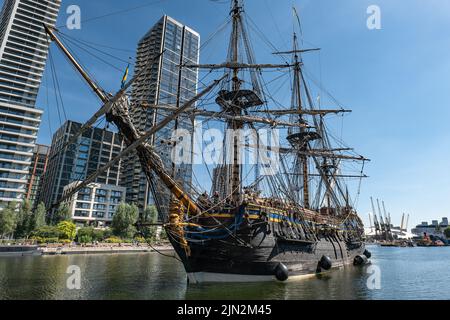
pixel 406 273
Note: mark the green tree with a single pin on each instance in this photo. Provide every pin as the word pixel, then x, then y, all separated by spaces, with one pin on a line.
pixel 67 229
pixel 124 220
pixel 98 235
pixel 85 235
pixel 8 220
pixel 62 214
pixel 447 232
pixel 24 220
pixel 149 216
pixel 89 234
pixel 39 216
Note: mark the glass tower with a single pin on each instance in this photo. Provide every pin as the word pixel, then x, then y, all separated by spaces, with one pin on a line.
pixel 23 54
pixel 163 84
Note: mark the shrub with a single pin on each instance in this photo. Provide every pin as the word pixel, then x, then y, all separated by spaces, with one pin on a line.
pixel 86 232
pixel 84 239
pixel 46 240
pixel 39 240
pixel 68 230
pixel 140 240
pixel 46 232
pixel 107 233
pixel 92 234
pixel 97 235
pixel 113 240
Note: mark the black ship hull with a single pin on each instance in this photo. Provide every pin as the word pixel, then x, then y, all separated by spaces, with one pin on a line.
pixel 264 251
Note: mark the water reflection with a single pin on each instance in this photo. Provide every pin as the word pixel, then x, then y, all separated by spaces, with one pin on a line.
pixel 406 273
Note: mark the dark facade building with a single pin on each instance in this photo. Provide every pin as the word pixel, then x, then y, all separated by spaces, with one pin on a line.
pixel 164 84
pixel 93 149
pixel 38 167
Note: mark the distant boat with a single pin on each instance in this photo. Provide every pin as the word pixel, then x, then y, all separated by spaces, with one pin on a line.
pixel 397 243
pixel 19 250
pixel 432 241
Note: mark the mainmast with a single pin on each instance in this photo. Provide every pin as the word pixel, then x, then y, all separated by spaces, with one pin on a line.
pixel 236 100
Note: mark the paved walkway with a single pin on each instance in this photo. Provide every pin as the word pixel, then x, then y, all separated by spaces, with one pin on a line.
pixel 101 249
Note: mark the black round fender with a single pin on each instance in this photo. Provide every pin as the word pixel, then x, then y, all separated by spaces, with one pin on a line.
pixel 360 260
pixel 325 263
pixel 281 272
pixel 367 253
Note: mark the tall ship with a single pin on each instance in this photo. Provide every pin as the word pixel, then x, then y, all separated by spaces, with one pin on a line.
pixel 289 213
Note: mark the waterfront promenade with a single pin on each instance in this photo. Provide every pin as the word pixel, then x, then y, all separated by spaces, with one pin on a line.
pixel 101 248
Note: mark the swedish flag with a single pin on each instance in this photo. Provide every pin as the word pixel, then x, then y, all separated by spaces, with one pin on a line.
pixel 125 76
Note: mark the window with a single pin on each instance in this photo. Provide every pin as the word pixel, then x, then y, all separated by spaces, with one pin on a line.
pixel 81 213
pixel 81 205
pixel 100 199
pixel 98 214
pixel 99 207
pixel 101 192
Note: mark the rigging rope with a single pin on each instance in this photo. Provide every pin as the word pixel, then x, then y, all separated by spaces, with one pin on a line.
pixel 92 54
pixel 86 44
pixel 117 12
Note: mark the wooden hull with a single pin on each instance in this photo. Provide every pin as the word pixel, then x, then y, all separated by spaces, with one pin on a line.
pixel 235 264
pixel 254 251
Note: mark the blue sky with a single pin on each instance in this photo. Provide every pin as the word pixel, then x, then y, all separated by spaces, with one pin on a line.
pixel 396 80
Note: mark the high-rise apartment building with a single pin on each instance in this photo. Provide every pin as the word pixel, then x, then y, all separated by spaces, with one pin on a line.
pixel 24 48
pixel 163 84
pixel 35 173
pixel 92 150
pixel 18 131
pixel 23 54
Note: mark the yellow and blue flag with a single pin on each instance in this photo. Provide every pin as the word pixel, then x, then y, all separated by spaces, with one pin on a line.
pixel 125 76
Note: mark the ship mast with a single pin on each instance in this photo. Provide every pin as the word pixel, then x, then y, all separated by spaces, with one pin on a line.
pixel 300 139
pixel 297 92
pixel 236 125
pixel 236 100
